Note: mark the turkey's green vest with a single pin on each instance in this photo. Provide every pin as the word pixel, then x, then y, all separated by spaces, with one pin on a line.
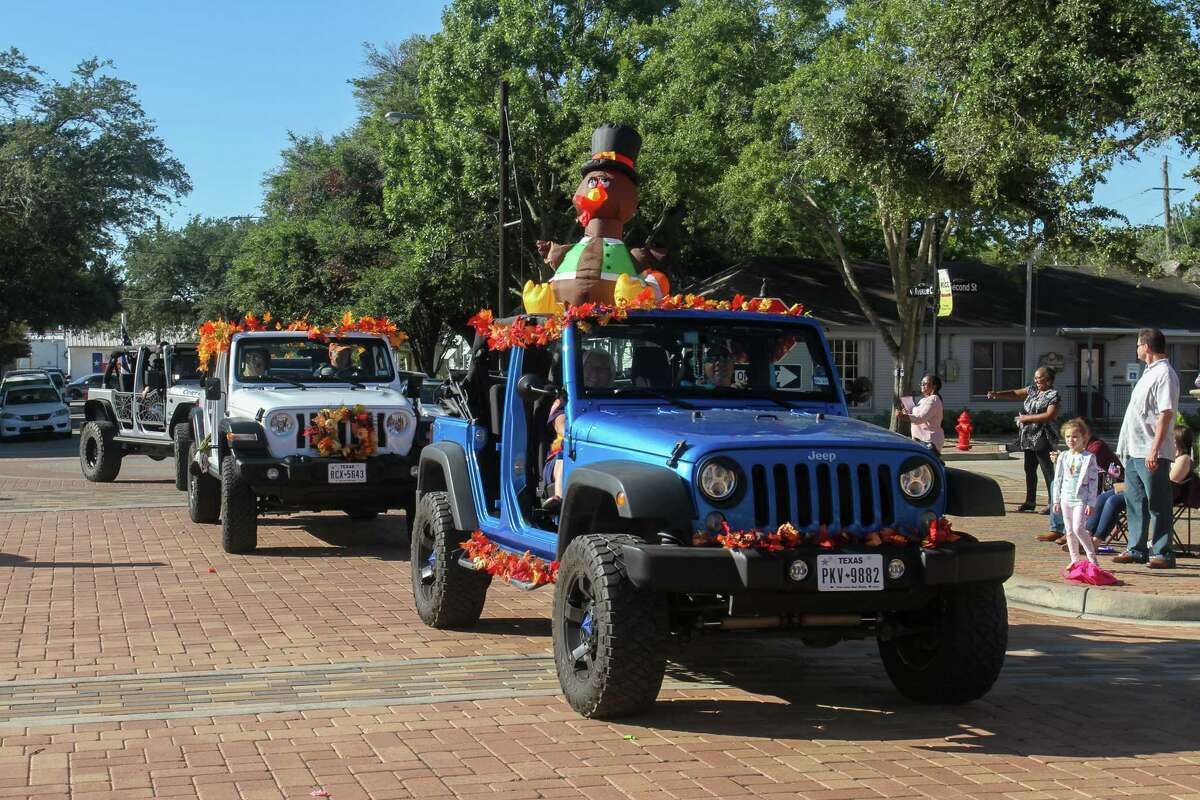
pixel 617 261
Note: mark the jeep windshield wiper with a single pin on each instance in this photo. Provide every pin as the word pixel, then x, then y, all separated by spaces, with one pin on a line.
pixel 646 391
pixel 288 381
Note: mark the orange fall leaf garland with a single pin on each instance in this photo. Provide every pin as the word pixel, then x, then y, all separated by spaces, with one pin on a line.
pixel 520 333
pixel 216 334
pixel 788 537
pixel 489 557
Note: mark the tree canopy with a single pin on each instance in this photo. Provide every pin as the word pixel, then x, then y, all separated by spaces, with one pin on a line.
pixel 80 166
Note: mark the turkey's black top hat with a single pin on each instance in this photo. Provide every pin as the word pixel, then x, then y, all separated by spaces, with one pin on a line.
pixel 615 145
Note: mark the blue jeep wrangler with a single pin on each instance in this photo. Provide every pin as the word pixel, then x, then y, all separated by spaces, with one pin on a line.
pixel 706 423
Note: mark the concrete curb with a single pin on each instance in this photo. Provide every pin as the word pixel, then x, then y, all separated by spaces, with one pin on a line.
pixel 1097 601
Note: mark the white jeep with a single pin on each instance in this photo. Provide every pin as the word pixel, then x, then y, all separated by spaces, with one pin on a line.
pixel 254 449
pixel 141 408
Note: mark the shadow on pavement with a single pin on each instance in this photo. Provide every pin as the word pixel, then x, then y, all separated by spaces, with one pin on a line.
pixel 1064 691
pixel 384 538
pixel 513 626
pixel 14 560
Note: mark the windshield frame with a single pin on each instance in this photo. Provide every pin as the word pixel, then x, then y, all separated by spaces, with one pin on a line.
pixel 807 333
pixel 299 338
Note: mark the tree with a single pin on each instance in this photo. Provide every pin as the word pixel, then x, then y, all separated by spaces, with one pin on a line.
pixel 322 230
pixel 944 120
pixel 177 277
pixel 79 166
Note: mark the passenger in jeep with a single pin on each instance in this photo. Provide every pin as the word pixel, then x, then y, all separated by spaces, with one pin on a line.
pixel 597 374
pixel 254 363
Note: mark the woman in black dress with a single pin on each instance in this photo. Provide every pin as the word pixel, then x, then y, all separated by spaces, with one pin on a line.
pixel 1036 434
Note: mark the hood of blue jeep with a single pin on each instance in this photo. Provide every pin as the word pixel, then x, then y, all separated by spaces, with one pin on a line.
pixel 657 430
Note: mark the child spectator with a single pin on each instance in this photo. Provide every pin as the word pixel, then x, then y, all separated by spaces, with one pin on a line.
pixel 1075 480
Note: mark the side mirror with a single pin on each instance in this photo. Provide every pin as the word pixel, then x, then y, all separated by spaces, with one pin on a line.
pixel 533 385
pixel 860 389
pixel 212 389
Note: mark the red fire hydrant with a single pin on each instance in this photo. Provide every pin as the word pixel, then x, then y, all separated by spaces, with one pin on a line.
pixel 965 429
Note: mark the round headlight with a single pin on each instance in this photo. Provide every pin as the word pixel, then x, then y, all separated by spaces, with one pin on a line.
pixel 917 482
pixel 281 423
pixel 718 480
pixel 396 422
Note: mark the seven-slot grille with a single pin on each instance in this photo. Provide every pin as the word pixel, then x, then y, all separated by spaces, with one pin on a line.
pixel 838 495
pixel 303 421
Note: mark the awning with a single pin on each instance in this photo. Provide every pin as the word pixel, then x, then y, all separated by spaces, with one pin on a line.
pixel 1104 334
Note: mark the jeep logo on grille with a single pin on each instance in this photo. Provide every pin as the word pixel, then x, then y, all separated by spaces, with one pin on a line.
pixel 817 455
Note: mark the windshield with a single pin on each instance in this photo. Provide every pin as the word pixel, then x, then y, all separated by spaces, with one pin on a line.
pixel 30 396
pixel 185 366
pixel 689 358
pixel 305 361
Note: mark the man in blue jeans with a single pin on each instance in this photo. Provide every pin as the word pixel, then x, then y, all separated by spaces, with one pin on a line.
pixel 1147 446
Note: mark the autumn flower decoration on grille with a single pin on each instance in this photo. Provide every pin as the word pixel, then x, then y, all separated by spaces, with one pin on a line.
pixel 325 433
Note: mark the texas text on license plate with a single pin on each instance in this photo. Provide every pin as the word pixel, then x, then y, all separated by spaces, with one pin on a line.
pixel 850 573
pixel 347 473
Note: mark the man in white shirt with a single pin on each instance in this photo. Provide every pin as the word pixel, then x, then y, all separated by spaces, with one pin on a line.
pixel 1146 447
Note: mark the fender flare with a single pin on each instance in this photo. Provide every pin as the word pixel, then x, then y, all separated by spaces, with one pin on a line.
pixel 98 410
pixel 651 494
pixel 443 468
pixel 969 494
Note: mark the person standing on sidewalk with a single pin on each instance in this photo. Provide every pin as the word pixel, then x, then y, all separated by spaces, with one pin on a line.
pixel 1076 483
pixel 926 413
pixel 1035 431
pixel 1147 446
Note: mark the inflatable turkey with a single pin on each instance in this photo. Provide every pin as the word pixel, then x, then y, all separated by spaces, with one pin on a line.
pixel 599 267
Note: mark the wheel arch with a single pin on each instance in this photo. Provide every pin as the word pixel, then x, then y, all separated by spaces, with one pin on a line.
pixel 98 411
pixel 623 497
pixel 443 468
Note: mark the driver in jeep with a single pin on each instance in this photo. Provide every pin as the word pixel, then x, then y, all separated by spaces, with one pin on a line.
pixel 340 365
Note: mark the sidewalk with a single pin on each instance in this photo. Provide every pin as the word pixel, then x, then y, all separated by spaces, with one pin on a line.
pixel 1143 594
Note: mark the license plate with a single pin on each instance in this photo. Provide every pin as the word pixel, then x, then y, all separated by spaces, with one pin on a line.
pixel 850 573
pixel 347 473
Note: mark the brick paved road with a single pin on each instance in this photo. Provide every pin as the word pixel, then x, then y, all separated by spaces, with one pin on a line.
pixel 133 671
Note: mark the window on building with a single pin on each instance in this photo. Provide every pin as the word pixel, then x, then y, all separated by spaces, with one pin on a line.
pixel 996 365
pixel 1186 360
pixel 852 357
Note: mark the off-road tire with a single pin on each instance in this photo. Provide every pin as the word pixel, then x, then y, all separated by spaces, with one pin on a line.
pixel 361 516
pixel 960 656
pixel 239 511
pixel 622 671
pixel 182 434
pixel 99 455
pixel 203 491
pixel 447 594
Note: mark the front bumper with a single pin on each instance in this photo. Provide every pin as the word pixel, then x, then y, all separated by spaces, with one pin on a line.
pixel 20 427
pixel 302 481
pixel 711 570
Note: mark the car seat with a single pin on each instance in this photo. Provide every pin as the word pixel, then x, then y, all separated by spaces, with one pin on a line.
pixel 651 367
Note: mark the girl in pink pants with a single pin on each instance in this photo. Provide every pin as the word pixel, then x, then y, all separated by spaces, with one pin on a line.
pixel 1076 481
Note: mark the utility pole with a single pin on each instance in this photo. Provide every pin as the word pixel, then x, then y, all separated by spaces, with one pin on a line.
pixel 1166 190
pixel 502 217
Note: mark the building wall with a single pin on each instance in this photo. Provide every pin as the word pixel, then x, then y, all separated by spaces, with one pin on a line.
pixel 957 345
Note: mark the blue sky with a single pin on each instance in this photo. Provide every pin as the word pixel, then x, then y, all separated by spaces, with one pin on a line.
pixel 226 81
